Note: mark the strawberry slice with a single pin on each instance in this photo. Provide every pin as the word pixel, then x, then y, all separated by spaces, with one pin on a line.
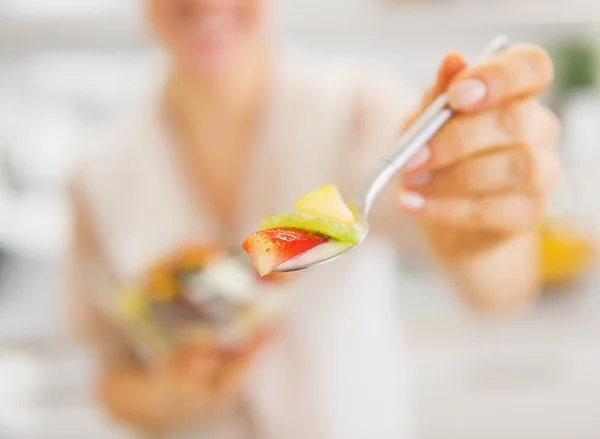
pixel 271 248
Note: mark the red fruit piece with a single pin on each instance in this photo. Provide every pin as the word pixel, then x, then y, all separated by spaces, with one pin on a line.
pixel 271 248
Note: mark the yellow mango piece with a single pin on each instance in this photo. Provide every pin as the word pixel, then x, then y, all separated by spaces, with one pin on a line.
pixel 326 202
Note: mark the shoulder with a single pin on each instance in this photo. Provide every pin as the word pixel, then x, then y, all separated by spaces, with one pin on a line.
pixel 362 82
pixel 130 121
pixel 109 148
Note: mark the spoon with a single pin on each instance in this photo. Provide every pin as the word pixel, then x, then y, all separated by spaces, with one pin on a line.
pixel 409 143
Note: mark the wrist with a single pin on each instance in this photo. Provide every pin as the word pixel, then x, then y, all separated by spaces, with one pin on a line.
pixel 493 272
pixel 451 243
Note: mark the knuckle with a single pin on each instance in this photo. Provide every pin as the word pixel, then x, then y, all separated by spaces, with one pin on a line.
pixel 481 174
pixel 498 74
pixel 530 123
pixel 553 173
pixel 542 65
pixel 461 211
pixel 512 213
pixel 450 143
pixel 537 61
pixel 472 175
pixel 463 176
pixel 514 118
pixel 518 166
pixel 545 171
pixel 549 125
pixel 525 218
pixel 528 212
pixel 537 212
pixel 482 213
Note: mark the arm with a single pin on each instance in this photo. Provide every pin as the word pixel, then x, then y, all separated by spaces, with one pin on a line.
pixel 193 385
pixel 480 189
pixel 475 195
pixel 124 385
pixel 492 273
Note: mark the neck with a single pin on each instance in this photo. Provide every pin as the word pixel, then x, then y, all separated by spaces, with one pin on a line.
pixel 227 98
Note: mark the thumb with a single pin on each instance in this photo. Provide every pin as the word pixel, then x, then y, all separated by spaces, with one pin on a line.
pixel 452 64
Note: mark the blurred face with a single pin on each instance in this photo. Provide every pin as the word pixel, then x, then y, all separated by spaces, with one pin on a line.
pixel 208 36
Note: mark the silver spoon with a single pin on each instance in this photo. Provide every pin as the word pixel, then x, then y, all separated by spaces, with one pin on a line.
pixel 409 143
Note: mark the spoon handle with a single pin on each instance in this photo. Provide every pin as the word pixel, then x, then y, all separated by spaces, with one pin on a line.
pixel 413 139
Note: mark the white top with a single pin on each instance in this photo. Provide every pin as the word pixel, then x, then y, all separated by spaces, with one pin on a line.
pixel 337 369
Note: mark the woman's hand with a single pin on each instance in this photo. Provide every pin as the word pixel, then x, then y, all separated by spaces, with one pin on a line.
pixel 204 381
pixel 197 384
pixel 492 167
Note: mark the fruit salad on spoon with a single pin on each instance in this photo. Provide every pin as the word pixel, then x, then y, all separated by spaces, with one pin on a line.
pixel 322 227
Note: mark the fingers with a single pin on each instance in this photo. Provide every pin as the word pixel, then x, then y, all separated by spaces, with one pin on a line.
pixel 522 70
pixel 228 383
pixel 213 375
pixel 234 366
pixel 493 164
pixel 524 122
pixel 196 360
pixel 517 169
pixel 509 212
pixel 487 170
pixel 452 64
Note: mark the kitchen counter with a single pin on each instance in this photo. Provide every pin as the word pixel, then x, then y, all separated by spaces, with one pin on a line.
pixel 536 375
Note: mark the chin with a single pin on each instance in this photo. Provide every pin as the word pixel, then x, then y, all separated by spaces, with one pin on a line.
pixel 212 61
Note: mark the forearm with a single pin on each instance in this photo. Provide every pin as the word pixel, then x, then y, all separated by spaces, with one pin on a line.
pixel 492 272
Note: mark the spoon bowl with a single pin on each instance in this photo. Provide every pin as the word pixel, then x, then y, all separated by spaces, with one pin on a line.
pixel 326 252
pixel 409 143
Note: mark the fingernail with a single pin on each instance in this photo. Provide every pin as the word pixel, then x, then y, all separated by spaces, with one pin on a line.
pixel 467 94
pixel 412 201
pixel 417 179
pixel 419 159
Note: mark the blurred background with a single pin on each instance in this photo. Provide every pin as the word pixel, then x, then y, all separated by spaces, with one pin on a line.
pixel 65 65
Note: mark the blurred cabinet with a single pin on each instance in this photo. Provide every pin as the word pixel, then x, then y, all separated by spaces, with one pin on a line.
pixel 509 384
